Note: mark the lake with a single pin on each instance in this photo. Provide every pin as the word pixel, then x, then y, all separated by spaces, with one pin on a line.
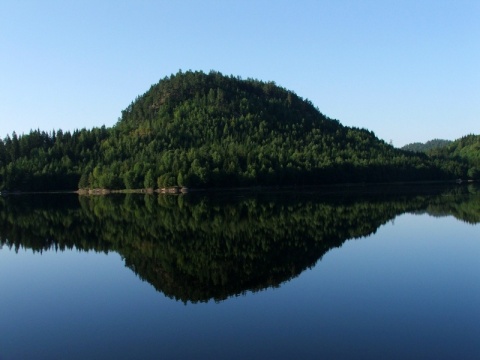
pixel 388 272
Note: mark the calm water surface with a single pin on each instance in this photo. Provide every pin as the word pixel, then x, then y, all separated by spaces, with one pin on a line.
pixel 345 275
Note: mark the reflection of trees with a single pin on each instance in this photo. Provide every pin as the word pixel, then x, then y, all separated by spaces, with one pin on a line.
pixel 465 205
pixel 196 248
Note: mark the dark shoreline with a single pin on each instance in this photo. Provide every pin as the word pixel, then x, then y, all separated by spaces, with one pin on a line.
pixel 340 188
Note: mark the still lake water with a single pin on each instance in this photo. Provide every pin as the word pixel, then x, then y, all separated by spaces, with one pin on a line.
pixel 379 273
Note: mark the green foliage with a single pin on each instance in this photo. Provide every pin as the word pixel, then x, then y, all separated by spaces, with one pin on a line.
pixel 149 182
pixel 210 130
pixel 429 145
pixel 466 151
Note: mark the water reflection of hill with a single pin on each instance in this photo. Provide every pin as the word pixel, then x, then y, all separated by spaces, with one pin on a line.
pixel 197 248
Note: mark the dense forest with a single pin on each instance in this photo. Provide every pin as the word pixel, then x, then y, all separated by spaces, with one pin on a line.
pixel 429 145
pixel 465 150
pixel 196 248
pixel 209 130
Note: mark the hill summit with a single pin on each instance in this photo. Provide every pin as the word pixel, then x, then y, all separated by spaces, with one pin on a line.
pixel 198 129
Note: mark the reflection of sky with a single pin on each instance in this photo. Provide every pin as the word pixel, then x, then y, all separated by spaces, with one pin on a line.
pixel 410 290
pixel 415 283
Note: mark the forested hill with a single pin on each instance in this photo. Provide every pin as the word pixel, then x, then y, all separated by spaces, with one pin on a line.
pixel 465 150
pixel 209 130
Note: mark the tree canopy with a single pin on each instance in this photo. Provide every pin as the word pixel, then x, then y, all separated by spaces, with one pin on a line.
pixel 199 129
pixel 429 145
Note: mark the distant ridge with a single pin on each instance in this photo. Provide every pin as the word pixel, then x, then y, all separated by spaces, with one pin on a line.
pixel 429 145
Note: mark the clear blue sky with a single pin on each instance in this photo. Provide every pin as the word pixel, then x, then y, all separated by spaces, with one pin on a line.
pixel 407 70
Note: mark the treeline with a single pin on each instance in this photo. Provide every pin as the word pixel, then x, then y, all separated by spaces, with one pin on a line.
pixel 464 150
pixel 48 161
pixel 209 130
pixel 429 145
